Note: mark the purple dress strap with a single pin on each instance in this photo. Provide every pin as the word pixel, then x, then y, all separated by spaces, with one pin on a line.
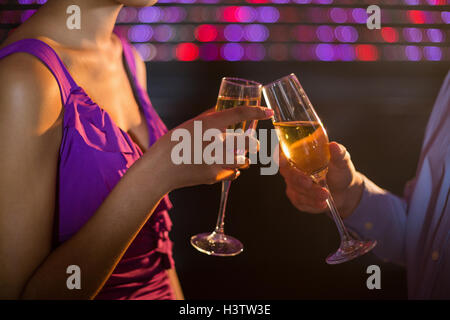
pixel 156 126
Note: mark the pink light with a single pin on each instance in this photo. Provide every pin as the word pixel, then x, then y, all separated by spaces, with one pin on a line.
pixel 416 16
pixel 389 34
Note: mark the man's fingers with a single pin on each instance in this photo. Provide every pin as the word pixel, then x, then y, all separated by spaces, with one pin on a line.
pixel 302 204
pixel 225 118
pixel 293 175
pixel 315 193
pixel 339 155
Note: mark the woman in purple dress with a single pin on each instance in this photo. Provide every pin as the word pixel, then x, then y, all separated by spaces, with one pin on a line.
pixel 75 118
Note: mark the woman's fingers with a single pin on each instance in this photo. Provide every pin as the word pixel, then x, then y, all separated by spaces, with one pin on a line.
pixel 240 142
pixel 225 118
pixel 240 162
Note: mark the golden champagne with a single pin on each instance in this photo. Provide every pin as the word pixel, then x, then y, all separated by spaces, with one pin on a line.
pixel 224 103
pixel 305 144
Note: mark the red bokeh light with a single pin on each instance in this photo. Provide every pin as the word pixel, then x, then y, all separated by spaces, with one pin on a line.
pixel 206 33
pixel 389 34
pixel 257 1
pixel 438 2
pixel 416 16
pixel 187 52
pixel 229 14
pixel 366 52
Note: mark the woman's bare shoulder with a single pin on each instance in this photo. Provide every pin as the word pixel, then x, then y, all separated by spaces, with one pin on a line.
pixel 28 89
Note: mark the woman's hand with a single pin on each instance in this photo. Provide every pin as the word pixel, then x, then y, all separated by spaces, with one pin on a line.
pixel 183 175
pixel 345 183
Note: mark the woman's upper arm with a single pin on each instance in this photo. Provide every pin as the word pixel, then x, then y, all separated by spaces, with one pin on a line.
pixel 30 107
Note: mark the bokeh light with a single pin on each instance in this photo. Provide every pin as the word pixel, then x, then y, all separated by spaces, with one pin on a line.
pixel 277 30
pixel 367 52
pixel 187 52
pixel 432 53
pixel 389 34
pixel 232 51
pixel 206 33
pixel 140 33
pixel 413 53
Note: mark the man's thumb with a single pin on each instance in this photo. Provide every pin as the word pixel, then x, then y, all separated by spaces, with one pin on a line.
pixel 340 158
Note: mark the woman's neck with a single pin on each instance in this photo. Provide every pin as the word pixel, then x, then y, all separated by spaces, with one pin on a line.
pixel 97 23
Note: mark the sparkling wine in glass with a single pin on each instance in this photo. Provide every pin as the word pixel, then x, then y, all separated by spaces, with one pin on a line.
pixel 234 92
pixel 304 142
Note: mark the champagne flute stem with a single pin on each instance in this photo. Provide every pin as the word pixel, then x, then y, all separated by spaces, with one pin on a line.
pixel 223 204
pixel 335 214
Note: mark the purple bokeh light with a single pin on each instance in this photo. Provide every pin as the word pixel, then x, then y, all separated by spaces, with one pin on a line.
pixel 233 32
pixel 246 14
pixel 412 34
pixel 345 52
pixel 140 33
pixel 232 51
pixel 359 15
pixel 325 33
pixel 127 15
pixel 163 33
pixel 338 15
pixel 325 52
pixel 146 51
pixel 432 53
pixel 256 32
pixel 413 53
pixel 435 35
pixel 149 14
pixel 268 14
pixel 445 15
pixel 346 33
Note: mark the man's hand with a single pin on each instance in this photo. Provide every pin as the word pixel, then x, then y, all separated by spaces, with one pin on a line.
pixel 345 183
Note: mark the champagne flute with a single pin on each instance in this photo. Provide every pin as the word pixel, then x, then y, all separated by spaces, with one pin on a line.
pixel 234 92
pixel 304 142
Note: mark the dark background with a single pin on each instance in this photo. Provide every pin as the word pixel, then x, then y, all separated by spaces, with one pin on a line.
pixel 379 111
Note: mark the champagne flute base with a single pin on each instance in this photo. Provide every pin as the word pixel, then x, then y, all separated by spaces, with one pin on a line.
pixel 217 244
pixel 350 250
